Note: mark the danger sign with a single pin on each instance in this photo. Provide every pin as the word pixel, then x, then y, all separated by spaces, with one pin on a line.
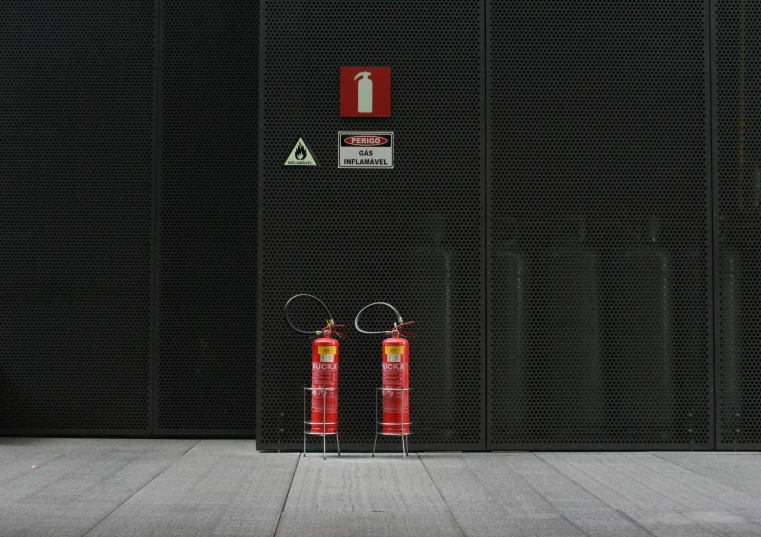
pixel 365 91
pixel 365 149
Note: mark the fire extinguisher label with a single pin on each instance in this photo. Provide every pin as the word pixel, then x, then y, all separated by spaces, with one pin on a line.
pixel 394 350
pixel 327 349
pixel 327 357
pixel 394 357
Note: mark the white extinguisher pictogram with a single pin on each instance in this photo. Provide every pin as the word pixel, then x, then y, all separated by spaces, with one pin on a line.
pixel 364 93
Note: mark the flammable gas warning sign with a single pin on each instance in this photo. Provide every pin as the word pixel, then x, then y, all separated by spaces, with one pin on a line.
pixel 300 155
pixel 366 150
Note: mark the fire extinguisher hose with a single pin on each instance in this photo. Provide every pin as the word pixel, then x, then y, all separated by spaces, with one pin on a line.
pixel 397 324
pixel 329 321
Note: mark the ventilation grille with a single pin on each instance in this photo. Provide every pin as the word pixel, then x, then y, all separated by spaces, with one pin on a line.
pixel 599 203
pixel 206 360
pixel 738 287
pixel 411 236
pixel 76 120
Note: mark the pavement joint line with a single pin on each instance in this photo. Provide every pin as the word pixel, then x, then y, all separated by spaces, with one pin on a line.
pixel 710 527
pixel 31 470
pixel 287 494
pixel 549 503
pixel 621 513
pixel 590 476
pixel 712 480
pixel 88 532
pixel 57 456
pixel 630 519
pixel 674 468
pixel 562 515
pixel 449 512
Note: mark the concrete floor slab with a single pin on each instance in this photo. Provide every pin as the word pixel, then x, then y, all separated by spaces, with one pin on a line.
pixel 144 445
pixel 187 520
pixel 42 445
pixel 15 465
pixel 499 524
pixel 260 482
pixel 48 520
pixel 226 448
pixel 739 471
pixel 89 476
pixel 385 483
pixel 659 496
pixel 489 492
pixel 367 524
pixel 225 488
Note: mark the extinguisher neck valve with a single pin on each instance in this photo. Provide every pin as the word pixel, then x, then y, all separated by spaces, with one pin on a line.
pixel 405 333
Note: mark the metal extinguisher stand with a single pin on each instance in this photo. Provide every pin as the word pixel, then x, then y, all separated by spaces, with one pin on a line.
pixel 325 348
pixel 397 339
pixel 405 448
pixel 308 424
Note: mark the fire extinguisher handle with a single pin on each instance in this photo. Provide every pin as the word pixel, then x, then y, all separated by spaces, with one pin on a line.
pixel 405 332
pixel 331 326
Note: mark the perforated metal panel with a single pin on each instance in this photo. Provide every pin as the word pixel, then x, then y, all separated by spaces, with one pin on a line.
pixel 206 368
pixel 566 251
pixel 738 274
pixel 76 118
pixel 412 236
pixel 599 225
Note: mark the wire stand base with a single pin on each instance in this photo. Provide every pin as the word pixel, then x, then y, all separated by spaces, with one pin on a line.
pixel 324 434
pixel 404 435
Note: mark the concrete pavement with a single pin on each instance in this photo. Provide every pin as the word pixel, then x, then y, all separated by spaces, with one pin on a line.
pixel 225 488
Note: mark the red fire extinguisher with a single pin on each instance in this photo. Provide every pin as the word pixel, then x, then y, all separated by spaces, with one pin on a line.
pixel 395 363
pixel 325 348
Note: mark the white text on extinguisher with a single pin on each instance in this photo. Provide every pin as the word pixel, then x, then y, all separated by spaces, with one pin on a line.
pixel 393 366
pixel 331 367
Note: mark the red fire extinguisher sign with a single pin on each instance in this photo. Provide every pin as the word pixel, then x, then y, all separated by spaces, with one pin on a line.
pixel 365 91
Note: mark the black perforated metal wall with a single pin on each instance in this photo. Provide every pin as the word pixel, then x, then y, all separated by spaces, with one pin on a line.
pixel 76 153
pixel 205 359
pixel 547 224
pixel 738 274
pixel 599 225
pixel 412 235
